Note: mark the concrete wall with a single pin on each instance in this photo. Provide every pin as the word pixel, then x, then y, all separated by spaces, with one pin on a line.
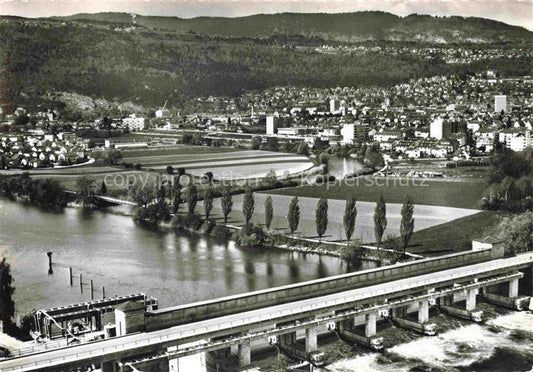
pixel 129 322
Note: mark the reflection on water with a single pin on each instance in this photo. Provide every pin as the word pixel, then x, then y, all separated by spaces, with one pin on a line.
pixel 341 167
pixel 124 258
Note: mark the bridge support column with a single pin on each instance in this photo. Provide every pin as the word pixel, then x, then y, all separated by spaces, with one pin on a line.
pixel 370 324
pixel 108 366
pixel 423 311
pixel 398 312
pixel 446 300
pixel 513 288
pixel 471 299
pixel 173 364
pixel 311 339
pixel 344 324
pixel 288 338
pixel 245 357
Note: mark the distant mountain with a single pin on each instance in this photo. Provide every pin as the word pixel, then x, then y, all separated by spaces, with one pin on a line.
pixel 100 56
pixel 359 26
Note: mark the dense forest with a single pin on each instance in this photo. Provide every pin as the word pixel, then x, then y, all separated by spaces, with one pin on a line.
pixel 372 25
pixel 147 67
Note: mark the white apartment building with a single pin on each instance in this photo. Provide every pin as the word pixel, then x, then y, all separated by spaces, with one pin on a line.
pixel 134 123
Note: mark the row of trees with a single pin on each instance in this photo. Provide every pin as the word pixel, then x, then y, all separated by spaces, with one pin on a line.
pixel 154 208
pixel 45 193
pixel 349 217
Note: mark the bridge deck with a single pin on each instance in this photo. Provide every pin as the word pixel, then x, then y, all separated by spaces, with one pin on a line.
pixel 128 345
pixel 112 200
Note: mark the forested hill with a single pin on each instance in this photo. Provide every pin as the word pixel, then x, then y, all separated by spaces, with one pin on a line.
pixel 359 26
pixel 106 58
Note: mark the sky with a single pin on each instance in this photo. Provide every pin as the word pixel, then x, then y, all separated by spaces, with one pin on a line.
pixel 515 12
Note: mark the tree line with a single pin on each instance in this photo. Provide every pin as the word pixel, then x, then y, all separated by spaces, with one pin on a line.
pixel 42 192
pixel 148 68
pixel 510 182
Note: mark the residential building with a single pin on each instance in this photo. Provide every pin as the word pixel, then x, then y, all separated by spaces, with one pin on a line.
pixel 515 139
pixel 386 136
pixel 333 106
pixel 355 132
pixel 500 103
pixel 443 129
pixel 134 123
pixel 436 128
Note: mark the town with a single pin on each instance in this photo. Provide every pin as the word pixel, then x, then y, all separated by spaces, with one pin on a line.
pixel 445 117
pixel 269 192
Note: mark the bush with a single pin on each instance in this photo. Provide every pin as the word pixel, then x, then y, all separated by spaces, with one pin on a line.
pixel 221 232
pixel 186 139
pixel 153 213
pixel 250 236
pixel 189 221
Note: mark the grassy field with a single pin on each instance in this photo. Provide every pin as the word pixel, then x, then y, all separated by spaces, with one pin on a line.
pixel 425 216
pixel 115 181
pixel 241 164
pixel 175 150
pixel 177 159
pixel 438 165
pixel 446 193
pixel 455 235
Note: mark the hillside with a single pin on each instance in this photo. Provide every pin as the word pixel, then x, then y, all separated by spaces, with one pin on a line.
pixel 101 57
pixel 352 27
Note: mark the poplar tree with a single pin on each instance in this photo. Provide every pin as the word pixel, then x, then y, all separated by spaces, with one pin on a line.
pixel 192 198
pixel 407 225
pixel 248 206
pixel 208 202
pixel 380 220
pixel 7 305
pixel 103 188
pixel 177 199
pixel 226 204
pixel 294 215
pixel 269 212
pixel 321 217
pixel 350 215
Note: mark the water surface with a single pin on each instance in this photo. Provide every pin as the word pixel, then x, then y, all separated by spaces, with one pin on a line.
pixel 125 258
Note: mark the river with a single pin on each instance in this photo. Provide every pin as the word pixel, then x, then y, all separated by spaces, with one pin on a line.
pixel 114 252
pixel 123 257
pixel 504 343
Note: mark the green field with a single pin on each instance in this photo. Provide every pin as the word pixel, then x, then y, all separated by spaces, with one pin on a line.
pixel 445 193
pixel 175 150
pixel 455 235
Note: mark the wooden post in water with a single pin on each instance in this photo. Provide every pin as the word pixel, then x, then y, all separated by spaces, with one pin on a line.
pixel 70 275
pixel 50 271
pixel 81 285
pixel 103 293
pixel 92 290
